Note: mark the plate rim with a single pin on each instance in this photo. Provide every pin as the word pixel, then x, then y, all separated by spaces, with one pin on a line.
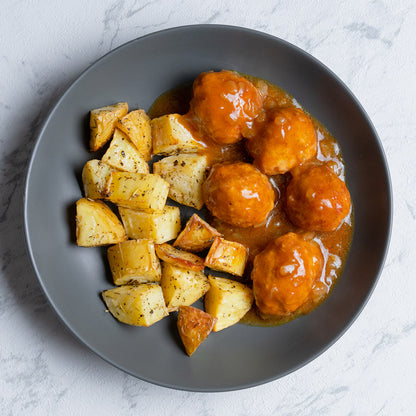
pixel 38 138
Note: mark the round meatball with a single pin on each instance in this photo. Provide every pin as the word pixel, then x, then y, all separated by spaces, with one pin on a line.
pixel 284 273
pixel 317 199
pixel 224 105
pixel 238 194
pixel 285 140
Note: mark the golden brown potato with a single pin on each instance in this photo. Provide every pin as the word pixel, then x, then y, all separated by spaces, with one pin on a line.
pixel 317 199
pixel 284 272
pixel 136 126
pixel 196 236
pixel 227 256
pixel 95 175
pixel 228 301
pixel 182 287
pixel 194 326
pixel 238 194
pixel 224 104
pixel 103 122
pixel 97 225
pixel 141 305
pixel 159 226
pixel 179 258
pixel 185 174
pixel 137 190
pixel 123 155
pixel 286 140
pixel 134 261
pixel 171 135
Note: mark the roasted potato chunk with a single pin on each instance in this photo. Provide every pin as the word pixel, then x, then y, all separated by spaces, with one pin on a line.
pixel 182 287
pixel 185 174
pixel 228 301
pixel 171 136
pixel 196 236
pixel 179 258
pixel 134 261
pixel 123 155
pixel 194 326
pixel 137 190
pixel 141 305
pixel 103 122
pixel 97 225
pixel 95 175
pixel 227 256
pixel 159 226
pixel 136 126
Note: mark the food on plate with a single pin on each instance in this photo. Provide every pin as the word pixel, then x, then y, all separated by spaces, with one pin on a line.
pixel 238 194
pixel 97 225
pixel 103 122
pixel 134 261
pixel 317 199
pixel 224 105
pixel 227 256
pixel 185 174
pixel 123 155
pixel 95 175
pixel 228 301
pixel 136 126
pixel 182 287
pixel 180 258
pixel 141 305
pixel 284 273
pixel 160 226
pixel 196 236
pixel 144 191
pixel 284 140
pixel 170 136
pixel 194 326
pixel 278 216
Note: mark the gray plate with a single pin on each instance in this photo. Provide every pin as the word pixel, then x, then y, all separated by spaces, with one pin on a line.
pixel 73 277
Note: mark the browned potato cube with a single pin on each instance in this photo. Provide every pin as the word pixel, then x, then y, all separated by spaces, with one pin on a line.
pixel 136 126
pixel 159 226
pixel 95 175
pixel 185 174
pixel 134 261
pixel 197 235
pixel 97 225
pixel 182 287
pixel 228 301
pixel 137 190
pixel 123 155
pixel 141 305
pixel 194 326
pixel 227 256
pixel 103 122
pixel 170 136
pixel 179 258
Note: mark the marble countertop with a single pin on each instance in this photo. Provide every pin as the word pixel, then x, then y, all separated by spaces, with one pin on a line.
pixel 44 46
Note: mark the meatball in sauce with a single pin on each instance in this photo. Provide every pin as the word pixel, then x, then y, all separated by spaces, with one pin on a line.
pixel 224 105
pixel 238 194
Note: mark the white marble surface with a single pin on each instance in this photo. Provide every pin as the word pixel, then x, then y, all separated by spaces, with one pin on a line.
pixel 371 45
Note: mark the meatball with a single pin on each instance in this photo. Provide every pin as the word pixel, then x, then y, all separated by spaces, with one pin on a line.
pixel 317 199
pixel 285 140
pixel 238 194
pixel 284 273
pixel 224 104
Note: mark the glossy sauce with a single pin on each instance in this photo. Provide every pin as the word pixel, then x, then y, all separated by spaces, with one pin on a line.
pixel 334 245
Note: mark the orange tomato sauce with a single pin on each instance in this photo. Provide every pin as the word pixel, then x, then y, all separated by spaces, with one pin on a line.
pixel 334 245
